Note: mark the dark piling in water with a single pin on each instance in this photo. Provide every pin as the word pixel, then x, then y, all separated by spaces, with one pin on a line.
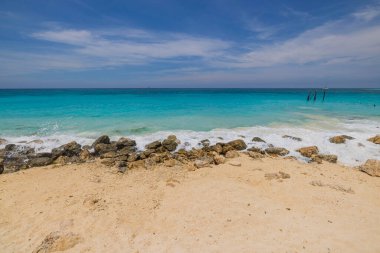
pixel 315 95
pixel 324 95
pixel 308 96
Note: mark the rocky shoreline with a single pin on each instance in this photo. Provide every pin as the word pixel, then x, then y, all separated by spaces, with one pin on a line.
pixel 124 154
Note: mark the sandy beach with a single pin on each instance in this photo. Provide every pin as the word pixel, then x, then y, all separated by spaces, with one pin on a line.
pixel 243 205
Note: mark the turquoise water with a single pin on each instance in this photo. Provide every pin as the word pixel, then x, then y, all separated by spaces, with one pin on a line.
pixel 125 112
pixel 59 116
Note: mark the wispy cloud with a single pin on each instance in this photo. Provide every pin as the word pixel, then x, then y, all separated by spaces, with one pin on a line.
pixel 368 14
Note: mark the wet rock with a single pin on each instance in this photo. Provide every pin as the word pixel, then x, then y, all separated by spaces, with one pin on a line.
pixel 340 139
pixel 292 138
pixel 153 145
pixel 258 139
pixel 170 143
pixel 122 169
pixel 329 158
pixel 205 143
pixel 238 144
pixel 102 148
pixel 127 150
pixel 371 167
pixel 104 139
pixel 69 149
pixel 10 147
pixel 308 151
pixel 3 141
pixel 15 163
pixel 40 161
pixel 277 151
pixel 37 155
pixel 125 142
pixel 58 241
pixel 232 154
pixel 255 155
pixel 375 139
pixel 63 160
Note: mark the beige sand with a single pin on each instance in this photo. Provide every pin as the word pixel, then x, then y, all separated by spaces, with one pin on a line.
pixel 225 208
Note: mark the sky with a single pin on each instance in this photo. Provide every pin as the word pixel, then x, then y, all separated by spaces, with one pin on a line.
pixel 190 44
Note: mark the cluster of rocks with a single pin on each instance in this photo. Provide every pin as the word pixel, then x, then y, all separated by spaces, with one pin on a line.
pixel 125 155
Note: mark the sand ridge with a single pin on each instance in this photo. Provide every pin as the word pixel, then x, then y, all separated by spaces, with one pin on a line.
pixel 224 208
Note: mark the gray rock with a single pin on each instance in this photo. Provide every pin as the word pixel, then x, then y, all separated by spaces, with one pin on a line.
pixel 292 138
pixel 205 143
pixel 125 142
pixel 39 161
pixel 103 148
pixel 69 149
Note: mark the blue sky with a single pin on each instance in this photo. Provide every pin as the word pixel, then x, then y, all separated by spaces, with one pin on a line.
pixel 226 43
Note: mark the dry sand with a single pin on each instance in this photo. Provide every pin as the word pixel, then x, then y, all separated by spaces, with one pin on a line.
pixel 224 208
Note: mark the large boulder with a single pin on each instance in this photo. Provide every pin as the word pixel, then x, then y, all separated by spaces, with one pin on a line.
pixel 308 151
pixel 15 163
pixel 232 154
pixel 340 139
pixel 103 148
pixel 69 149
pixel 170 143
pixel 238 144
pixel 104 139
pixel 375 139
pixel 274 151
pixel 371 167
pixel 318 158
pixel 205 161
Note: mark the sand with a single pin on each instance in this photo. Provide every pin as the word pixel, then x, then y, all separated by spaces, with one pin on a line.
pixel 224 208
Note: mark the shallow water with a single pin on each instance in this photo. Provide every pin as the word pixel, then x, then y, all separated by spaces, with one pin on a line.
pixel 58 116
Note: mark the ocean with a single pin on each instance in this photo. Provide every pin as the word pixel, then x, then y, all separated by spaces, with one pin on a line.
pixel 57 116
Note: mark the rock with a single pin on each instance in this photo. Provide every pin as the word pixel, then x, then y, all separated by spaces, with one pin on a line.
pixel 10 147
pixel 104 139
pixel 125 142
pixel 69 149
pixel 235 163
pixel 170 163
pixel 205 161
pixel 226 148
pixel 256 150
pixel 108 162
pixel 136 164
pixel 37 155
pixel 63 160
pixel 292 137
pixel 258 139
pixel 85 155
pixel 218 148
pixel 329 158
pixel 170 143
pixel 15 163
pixel 371 167
pixel 132 157
pixel 3 141
pixel 40 161
pixel 255 155
pixel 232 154
pixel 218 159
pixel 127 150
pixel 340 139
pixel 277 151
pixel 1 169
pixel 308 151
pixel 153 145
pixel 57 241
pixel 122 169
pixel 102 148
pixel 375 139
pixel 205 143
pixel 238 144
pixel 111 154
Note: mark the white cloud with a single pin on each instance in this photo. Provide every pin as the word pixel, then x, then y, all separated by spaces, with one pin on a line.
pixel 367 14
